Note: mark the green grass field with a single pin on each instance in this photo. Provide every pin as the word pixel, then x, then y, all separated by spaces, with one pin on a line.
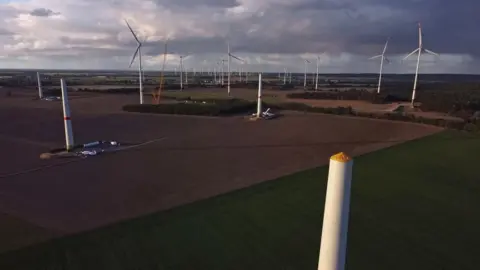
pixel 414 206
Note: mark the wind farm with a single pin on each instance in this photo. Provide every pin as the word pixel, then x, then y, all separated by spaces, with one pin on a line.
pixel 268 168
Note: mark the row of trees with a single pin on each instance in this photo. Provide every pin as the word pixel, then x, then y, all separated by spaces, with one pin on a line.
pixel 225 107
pixel 460 103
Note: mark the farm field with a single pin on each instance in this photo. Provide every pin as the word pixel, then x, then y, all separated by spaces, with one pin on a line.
pixel 269 96
pixel 413 206
pixel 186 159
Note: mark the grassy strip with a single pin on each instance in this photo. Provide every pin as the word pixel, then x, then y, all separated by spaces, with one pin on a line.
pixel 414 206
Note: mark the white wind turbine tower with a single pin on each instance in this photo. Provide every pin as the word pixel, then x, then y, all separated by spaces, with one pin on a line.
pixel 139 53
pixel 181 70
pixel 284 76
pixel 305 74
pixel 420 49
pixel 316 74
pixel 230 55
pixel 39 83
pixel 383 58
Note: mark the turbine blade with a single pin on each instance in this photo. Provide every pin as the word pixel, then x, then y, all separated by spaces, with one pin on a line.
pixel 416 50
pixel 134 56
pixel 236 58
pixel 430 52
pixel 307 61
pixel 420 36
pixel 375 57
pixel 133 33
pixel 385 48
pixel 386 60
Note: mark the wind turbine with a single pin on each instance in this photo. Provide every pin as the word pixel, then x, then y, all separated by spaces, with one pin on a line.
pixel 420 49
pixel 181 70
pixel 230 55
pixel 316 74
pixel 139 53
pixel 305 74
pixel 382 57
pixel 39 83
pixel 284 76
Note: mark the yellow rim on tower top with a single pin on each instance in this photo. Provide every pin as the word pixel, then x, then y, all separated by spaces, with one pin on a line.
pixel 341 157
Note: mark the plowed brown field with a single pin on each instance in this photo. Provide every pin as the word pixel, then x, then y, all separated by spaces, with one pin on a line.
pixel 195 158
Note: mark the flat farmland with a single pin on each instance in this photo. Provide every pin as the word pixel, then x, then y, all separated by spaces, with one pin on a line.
pixel 186 159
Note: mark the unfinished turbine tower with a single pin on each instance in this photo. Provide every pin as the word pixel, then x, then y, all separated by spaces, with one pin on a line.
pixel 383 58
pixel 66 117
pixel 418 50
pixel 139 53
pixel 259 96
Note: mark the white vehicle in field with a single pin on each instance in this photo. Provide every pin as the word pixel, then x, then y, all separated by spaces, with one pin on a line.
pixel 266 114
pixel 51 98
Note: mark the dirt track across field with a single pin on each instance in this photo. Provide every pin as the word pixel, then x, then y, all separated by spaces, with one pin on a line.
pixel 189 158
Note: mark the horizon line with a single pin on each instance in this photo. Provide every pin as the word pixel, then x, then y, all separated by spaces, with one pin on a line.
pixel 155 70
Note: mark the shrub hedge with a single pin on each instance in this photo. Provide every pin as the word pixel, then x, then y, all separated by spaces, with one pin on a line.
pixel 209 108
pixel 225 107
pixel 351 94
pixel 129 90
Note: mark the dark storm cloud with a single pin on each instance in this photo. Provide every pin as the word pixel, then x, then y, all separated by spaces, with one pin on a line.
pixel 43 12
pixel 448 26
pixel 359 27
pixel 196 3
pixel 79 51
pixel 321 5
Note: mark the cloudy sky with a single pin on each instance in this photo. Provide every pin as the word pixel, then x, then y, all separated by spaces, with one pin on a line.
pixel 268 34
